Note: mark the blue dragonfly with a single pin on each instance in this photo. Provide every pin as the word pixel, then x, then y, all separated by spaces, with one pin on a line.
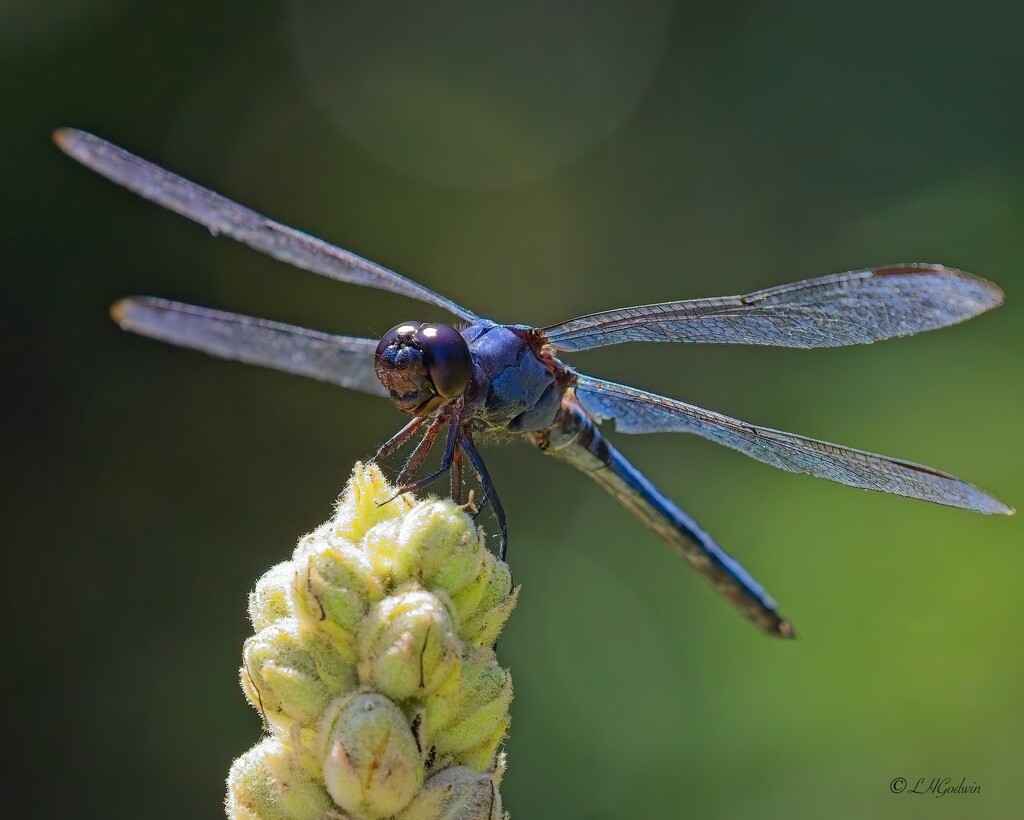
pixel 480 378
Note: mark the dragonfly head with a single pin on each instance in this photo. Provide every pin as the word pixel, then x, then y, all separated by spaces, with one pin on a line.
pixel 422 365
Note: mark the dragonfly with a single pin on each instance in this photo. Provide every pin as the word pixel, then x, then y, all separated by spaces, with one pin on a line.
pixel 464 382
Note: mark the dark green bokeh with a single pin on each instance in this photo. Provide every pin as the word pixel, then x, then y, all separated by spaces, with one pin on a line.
pixel 533 164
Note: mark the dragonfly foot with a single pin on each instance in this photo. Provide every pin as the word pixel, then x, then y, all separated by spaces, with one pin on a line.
pixel 490 494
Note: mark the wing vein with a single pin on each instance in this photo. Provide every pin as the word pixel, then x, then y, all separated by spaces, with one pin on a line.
pixel 637 411
pixel 222 216
pixel 346 361
pixel 858 307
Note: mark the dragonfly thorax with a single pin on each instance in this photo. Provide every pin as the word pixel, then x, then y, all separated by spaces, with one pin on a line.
pixel 422 365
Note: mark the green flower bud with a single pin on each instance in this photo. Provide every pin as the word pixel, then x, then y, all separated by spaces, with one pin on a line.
pixel 408 644
pixel 290 674
pixel 363 504
pixel 270 600
pixel 381 546
pixel 458 793
pixel 333 584
pixel 371 762
pixel 482 757
pixel 439 708
pixel 467 600
pixel 373 669
pixel 484 620
pixel 483 705
pixel 268 783
pixel 439 546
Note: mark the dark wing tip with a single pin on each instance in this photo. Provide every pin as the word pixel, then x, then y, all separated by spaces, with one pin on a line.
pixel 118 311
pixel 985 294
pixel 121 312
pixel 61 136
pixel 71 141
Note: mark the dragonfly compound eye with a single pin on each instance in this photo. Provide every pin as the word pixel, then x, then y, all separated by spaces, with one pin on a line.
pixel 401 367
pixel 448 360
pixel 422 365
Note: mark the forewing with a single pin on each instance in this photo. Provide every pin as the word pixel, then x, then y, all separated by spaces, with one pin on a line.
pixel 222 216
pixel 343 360
pixel 832 311
pixel 636 411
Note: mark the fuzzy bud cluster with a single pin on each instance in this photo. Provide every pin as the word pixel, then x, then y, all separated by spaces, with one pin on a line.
pixel 373 668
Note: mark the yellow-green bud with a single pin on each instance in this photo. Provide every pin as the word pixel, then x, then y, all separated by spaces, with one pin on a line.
pixel 484 617
pixel 483 705
pixel 373 667
pixel 482 756
pixel 439 546
pixel 270 600
pixel 290 674
pixel 439 707
pixel 408 645
pixel 364 504
pixel 333 584
pixel 458 793
pixel 371 762
pixel 268 783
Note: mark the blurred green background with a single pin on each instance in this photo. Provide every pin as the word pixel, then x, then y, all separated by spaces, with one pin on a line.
pixel 533 161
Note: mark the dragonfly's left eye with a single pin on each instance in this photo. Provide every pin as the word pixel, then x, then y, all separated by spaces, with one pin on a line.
pixel 422 365
pixel 447 358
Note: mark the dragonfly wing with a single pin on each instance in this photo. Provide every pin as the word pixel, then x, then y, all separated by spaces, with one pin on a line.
pixel 222 216
pixel 343 360
pixel 636 411
pixel 845 309
pixel 575 439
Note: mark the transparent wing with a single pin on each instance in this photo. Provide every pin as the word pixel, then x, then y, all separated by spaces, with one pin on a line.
pixel 343 360
pixel 636 411
pixel 222 216
pixel 844 309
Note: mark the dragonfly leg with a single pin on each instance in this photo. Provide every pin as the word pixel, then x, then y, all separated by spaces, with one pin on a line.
pixel 456 490
pixel 398 439
pixel 421 451
pixel 443 467
pixel 490 494
pixel 478 504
